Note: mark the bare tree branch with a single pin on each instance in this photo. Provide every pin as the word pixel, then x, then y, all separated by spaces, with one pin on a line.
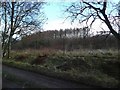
pixel 93 10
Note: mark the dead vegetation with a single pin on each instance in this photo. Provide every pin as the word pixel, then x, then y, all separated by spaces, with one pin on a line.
pixel 39 60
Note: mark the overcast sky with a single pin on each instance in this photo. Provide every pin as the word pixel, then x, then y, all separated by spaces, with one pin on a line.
pixel 54 11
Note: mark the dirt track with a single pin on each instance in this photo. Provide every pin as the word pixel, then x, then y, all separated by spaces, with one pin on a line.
pixel 39 80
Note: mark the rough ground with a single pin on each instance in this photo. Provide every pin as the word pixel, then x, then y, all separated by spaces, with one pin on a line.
pixel 38 80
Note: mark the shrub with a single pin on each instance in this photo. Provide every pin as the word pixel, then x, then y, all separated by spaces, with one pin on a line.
pixel 39 60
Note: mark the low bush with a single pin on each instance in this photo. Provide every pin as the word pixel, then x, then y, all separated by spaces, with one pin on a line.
pixel 39 60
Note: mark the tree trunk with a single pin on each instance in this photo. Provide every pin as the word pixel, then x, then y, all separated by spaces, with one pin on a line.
pixel 4 32
pixel 11 32
pixel 117 35
pixel 8 47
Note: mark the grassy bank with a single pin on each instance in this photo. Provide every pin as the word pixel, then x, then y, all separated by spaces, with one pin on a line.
pixel 98 68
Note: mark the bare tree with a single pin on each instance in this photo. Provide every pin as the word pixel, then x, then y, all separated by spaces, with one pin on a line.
pixel 20 18
pixel 4 33
pixel 118 24
pixel 86 11
pixel 119 16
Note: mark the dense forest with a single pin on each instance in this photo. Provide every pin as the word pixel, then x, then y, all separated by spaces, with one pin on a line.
pixel 68 39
